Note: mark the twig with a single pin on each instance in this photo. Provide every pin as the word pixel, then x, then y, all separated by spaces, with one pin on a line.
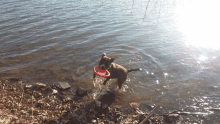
pixel 100 5
pixel 32 97
pixel 22 93
pixel 150 114
pixel 159 12
pixel 146 11
pixel 132 9
pixel 155 3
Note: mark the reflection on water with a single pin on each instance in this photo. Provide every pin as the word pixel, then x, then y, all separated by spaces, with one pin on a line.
pixel 199 22
pixel 202 58
pixel 176 46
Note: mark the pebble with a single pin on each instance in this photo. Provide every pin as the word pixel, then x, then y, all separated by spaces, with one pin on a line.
pixel 41 84
pixel 98 104
pixel 64 85
pixel 81 92
pixel 93 121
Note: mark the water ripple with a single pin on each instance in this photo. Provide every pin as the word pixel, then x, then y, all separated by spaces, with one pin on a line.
pixel 70 36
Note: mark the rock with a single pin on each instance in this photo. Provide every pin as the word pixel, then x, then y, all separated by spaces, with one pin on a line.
pixel 38 95
pixel 67 99
pixel 20 82
pixel 54 91
pixel 31 87
pixel 93 121
pixel 40 103
pixel 117 110
pixel 82 115
pixel 135 105
pixel 11 79
pixel 76 98
pixel 81 92
pixel 22 112
pixel 98 104
pixel 13 111
pixel 117 114
pixel 104 106
pixel 145 107
pixel 74 77
pixel 64 85
pixel 49 122
pixel 28 86
pixel 111 122
pixel 171 118
pixel 40 84
pixel 101 116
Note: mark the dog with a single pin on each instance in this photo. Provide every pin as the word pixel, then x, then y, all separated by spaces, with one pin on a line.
pixel 115 70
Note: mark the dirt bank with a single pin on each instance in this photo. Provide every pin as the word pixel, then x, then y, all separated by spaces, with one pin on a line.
pixel 21 103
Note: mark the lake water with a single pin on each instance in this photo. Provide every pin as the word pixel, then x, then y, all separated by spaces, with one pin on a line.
pixel 177 45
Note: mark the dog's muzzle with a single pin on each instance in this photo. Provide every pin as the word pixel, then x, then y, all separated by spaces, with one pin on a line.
pixel 102 67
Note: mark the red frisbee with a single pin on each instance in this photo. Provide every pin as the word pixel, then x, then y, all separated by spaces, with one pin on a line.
pixel 101 73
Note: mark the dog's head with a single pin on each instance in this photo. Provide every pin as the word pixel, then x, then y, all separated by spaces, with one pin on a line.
pixel 105 62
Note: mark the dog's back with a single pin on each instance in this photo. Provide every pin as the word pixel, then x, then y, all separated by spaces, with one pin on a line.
pixel 117 71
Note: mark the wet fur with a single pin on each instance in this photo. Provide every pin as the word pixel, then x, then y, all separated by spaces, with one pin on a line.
pixel 116 70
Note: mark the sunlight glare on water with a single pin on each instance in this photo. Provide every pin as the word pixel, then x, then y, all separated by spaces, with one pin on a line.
pixel 198 21
pixel 203 58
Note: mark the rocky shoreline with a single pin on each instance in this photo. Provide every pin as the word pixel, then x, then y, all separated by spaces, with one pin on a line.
pixel 21 103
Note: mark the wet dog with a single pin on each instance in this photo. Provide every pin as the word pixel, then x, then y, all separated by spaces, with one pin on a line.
pixel 116 70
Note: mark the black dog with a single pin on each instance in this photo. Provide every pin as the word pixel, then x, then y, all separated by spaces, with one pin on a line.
pixel 116 71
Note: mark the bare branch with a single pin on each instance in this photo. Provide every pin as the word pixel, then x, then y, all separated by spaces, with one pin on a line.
pixel 159 12
pixel 155 3
pixel 150 114
pixel 132 8
pixel 100 5
pixel 146 10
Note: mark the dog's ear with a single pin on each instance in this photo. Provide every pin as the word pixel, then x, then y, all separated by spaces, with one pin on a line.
pixel 112 59
pixel 104 54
